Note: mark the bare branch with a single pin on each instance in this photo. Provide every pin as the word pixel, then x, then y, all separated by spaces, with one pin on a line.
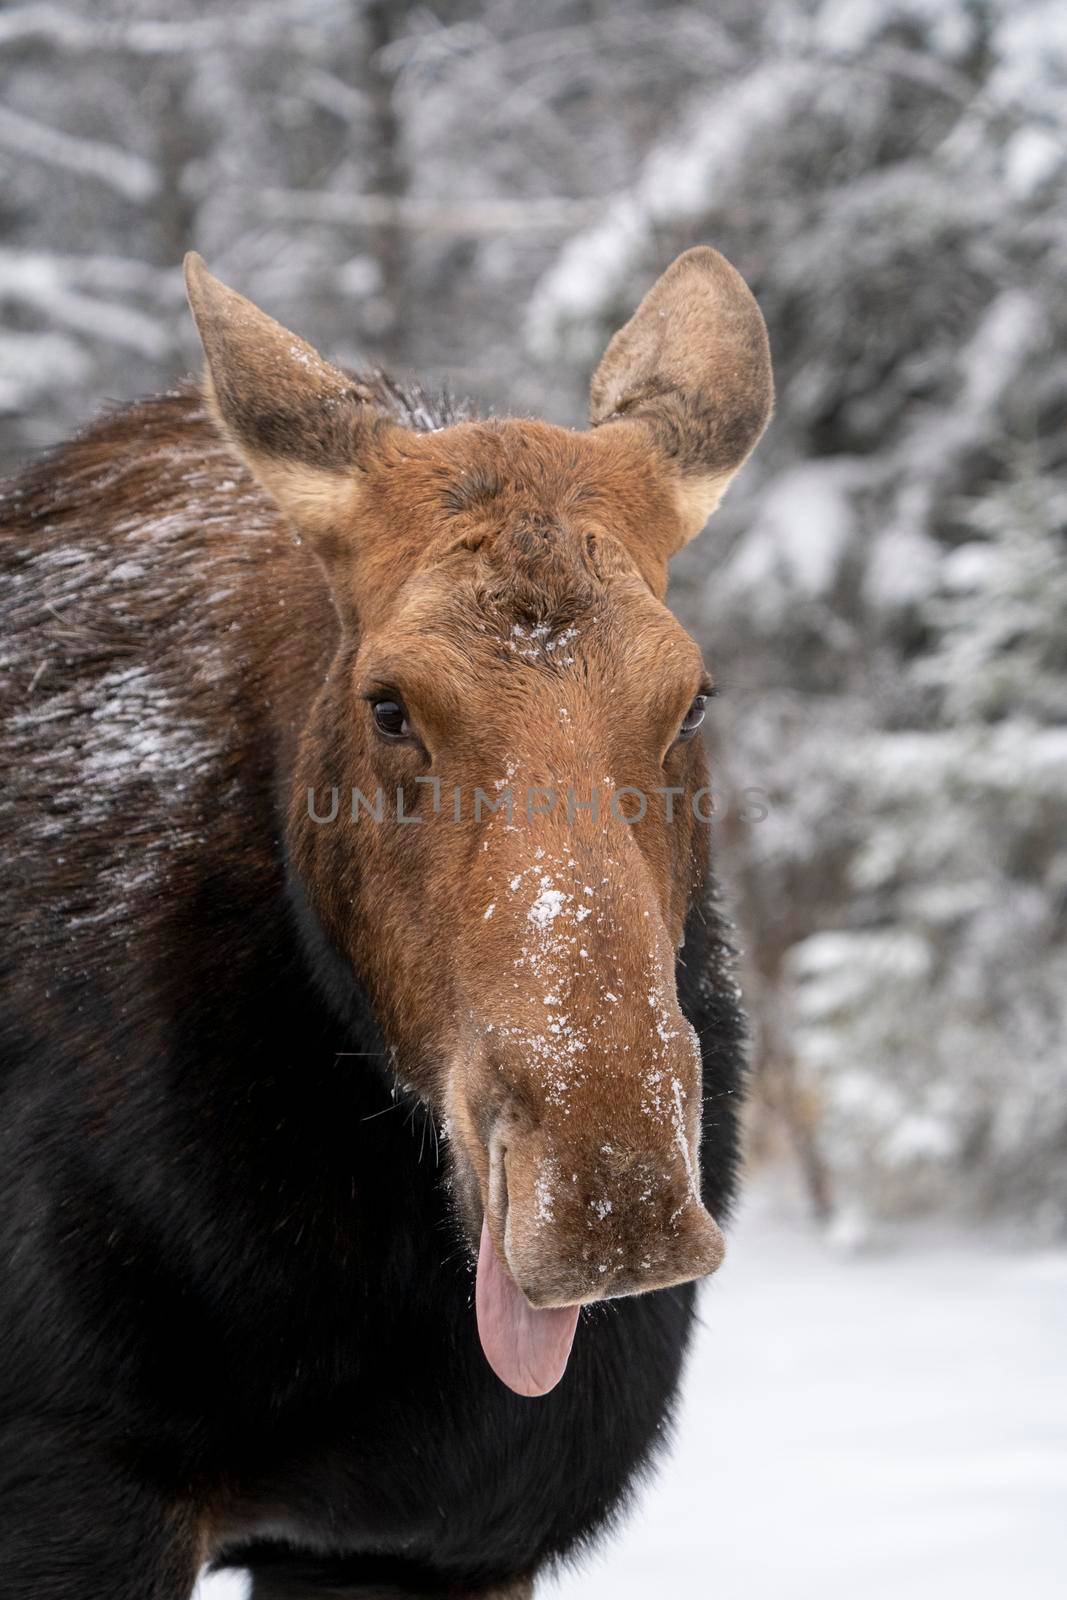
pixel 333 95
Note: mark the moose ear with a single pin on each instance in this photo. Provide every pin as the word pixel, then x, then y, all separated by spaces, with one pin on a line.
pixel 302 427
pixel 692 365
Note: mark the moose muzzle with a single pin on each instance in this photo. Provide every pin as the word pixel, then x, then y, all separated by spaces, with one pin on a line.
pixel 575 1094
pixel 578 1216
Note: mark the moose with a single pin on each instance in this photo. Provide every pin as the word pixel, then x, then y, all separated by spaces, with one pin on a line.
pixel 362 1136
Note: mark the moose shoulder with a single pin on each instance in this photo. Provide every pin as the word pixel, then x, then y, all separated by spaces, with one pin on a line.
pixel 370 1047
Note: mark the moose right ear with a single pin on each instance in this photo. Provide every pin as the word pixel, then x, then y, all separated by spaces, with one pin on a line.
pixel 302 427
pixel 693 368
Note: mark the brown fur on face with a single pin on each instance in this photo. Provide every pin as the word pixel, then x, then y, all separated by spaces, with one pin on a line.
pixel 503 582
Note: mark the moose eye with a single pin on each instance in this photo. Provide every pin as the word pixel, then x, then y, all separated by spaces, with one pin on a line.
pixel 391 719
pixel 693 718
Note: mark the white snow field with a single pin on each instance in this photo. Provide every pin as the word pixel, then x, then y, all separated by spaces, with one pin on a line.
pixel 890 1425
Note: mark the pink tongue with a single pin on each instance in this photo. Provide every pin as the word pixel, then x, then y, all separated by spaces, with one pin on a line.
pixel 526 1348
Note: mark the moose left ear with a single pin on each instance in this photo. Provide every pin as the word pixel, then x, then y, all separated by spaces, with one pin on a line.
pixel 693 366
pixel 301 426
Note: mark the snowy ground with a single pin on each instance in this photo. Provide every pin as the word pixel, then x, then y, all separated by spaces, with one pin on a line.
pixel 890 1425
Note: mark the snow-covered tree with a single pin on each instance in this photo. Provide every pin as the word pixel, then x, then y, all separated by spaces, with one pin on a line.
pixel 481 189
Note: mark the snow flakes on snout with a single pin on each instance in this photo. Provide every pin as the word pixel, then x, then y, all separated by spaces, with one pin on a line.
pixel 548 905
pixel 550 953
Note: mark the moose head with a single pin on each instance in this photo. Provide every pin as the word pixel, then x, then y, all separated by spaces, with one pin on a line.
pixel 514 715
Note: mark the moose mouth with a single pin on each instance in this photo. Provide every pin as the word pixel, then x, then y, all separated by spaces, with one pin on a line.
pixel 527 1300
pixel 528 1347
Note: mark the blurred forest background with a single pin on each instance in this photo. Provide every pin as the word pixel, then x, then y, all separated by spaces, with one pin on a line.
pixel 478 191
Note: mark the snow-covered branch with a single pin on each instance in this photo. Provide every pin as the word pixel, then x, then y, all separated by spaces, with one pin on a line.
pixel 129 175
pixel 45 282
pixel 72 31
pixel 460 216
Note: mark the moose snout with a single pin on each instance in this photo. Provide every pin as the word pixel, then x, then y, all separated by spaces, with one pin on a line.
pixel 573 1226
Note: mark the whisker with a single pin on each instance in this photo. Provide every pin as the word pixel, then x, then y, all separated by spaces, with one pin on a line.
pixel 372 1114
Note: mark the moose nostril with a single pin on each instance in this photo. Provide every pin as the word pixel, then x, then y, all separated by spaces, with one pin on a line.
pixel 498 1180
